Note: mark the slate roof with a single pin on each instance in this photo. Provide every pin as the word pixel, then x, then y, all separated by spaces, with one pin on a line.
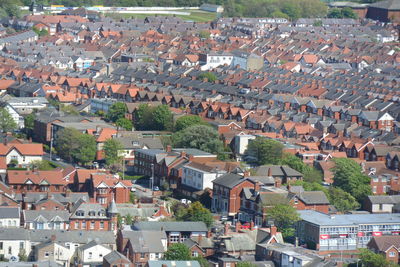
pixel 114 256
pixel 146 241
pixel 171 226
pixel 391 5
pixel 46 215
pixel 314 198
pixel 9 212
pixel 229 180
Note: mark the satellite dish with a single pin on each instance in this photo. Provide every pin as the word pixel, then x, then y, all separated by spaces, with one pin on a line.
pixel 14 259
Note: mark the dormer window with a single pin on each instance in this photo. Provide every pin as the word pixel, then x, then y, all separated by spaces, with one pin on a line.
pixel 80 213
pixel 92 213
pixel 102 213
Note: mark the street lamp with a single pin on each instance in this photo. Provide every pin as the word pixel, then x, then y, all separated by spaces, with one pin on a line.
pixel 152 176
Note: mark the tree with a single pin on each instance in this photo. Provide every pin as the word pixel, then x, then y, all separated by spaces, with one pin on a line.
pixel 7 123
pixel 310 174
pixel 128 219
pixel 41 165
pixel 29 121
pixel 178 252
pixel 347 12
pixel 124 123
pixel 245 264
pixel 85 152
pixel 162 118
pixel 264 151
pixel 335 13
pixel 69 109
pixel 67 142
pixel 349 177
pixel 211 77
pixel 111 148
pixel 204 34
pixel 196 212
pixel 143 117
pixel 199 136
pixel 371 259
pixel 342 200
pixel 187 121
pixel 116 111
pixel 284 217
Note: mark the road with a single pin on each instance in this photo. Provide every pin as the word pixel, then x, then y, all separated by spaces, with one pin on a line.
pixel 62 162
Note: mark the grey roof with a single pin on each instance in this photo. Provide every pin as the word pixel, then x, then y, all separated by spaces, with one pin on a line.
pixel 384 199
pixel 322 219
pixel 173 263
pixel 389 5
pixel 9 213
pixel 314 197
pixel 171 226
pixel 14 234
pixel 276 170
pixel 229 180
pixel 146 241
pixel 76 236
pixel 114 256
pixel 113 208
pixel 98 211
pixel 46 215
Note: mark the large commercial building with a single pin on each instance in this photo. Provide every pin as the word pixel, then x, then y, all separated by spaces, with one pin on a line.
pixel 344 232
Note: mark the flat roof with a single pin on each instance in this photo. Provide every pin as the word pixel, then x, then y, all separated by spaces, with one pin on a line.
pixel 323 219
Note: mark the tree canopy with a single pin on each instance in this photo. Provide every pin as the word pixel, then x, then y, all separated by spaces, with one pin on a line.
pixel 263 151
pixel 284 217
pixel 111 148
pixel 187 121
pixel 7 123
pixel 199 136
pixel 124 123
pixel 75 146
pixel 371 259
pixel 116 111
pixel 349 177
pixel 345 12
pixel 153 118
pixel 208 75
pixel 196 212
pixel 178 252
pixel 310 174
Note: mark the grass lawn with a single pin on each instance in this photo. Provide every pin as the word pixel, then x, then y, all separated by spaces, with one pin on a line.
pixel 197 16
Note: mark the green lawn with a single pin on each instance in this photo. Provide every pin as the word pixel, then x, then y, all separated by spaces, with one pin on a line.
pixel 197 16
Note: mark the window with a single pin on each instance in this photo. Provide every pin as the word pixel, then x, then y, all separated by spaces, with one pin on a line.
pixel 1 245
pixel 90 255
pixel 91 225
pixel 392 254
pixel 9 250
pixel 174 238
pixel 21 245
pixel 101 225
pixel 83 226
pixel 142 255
pixel 195 254
pixel 46 254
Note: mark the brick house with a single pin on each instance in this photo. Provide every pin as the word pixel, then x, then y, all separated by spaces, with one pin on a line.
pixel 388 246
pixel 38 181
pixel 93 217
pixel 226 193
pixel 141 246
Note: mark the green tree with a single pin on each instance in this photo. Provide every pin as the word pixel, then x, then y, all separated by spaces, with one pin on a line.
pixel 371 259
pixel 143 117
pixel 349 177
pixel 245 264
pixel 116 111
pixel 347 12
pixel 187 121
pixel 124 123
pixel 111 151
pixel 204 34
pixel 310 174
pixel 284 217
pixel 211 77
pixel 335 13
pixel 199 136
pixel 29 121
pixel 67 142
pixel 7 123
pixel 196 212
pixel 264 151
pixel 162 118
pixel 69 109
pixel 85 152
pixel 22 255
pixel 178 252
pixel 128 219
pixel 342 200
